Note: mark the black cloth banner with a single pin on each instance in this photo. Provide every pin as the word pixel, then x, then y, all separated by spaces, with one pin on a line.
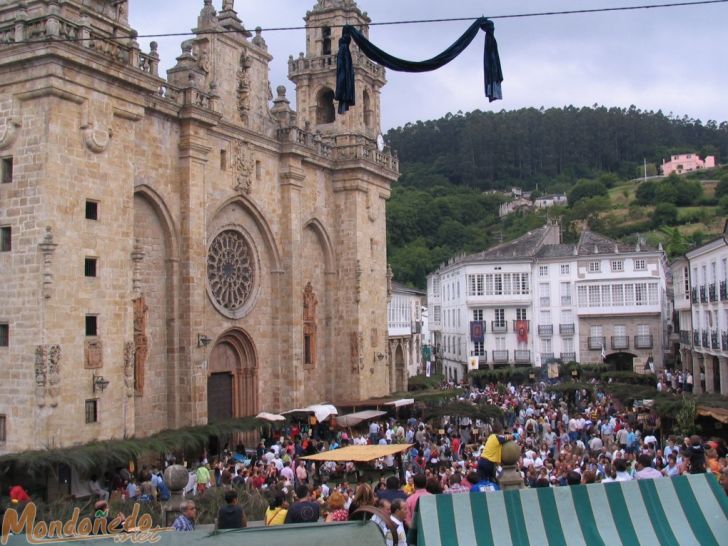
pixel 477 331
pixel 345 92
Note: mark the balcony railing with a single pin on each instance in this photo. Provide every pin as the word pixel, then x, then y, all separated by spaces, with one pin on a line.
pixel 546 357
pixel 498 326
pixel 596 343
pixel 522 356
pixel 714 340
pixel 566 329
pixel 545 301
pixel 526 322
pixel 723 291
pixel 500 357
pixel 620 342
pixel 565 300
pixel 643 341
pixel 684 337
pixel 703 295
pixel 696 338
pixel 482 357
pixel 694 295
pixel 724 341
pixel 712 294
pixel 568 357
pixel 545 329
pixel 704 336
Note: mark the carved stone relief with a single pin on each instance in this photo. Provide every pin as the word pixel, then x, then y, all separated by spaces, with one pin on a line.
pixel 141 342
pixel 372 211
pixel 243 167
pixel 243 88
pixel 9 132
pixel 54 374
pixel 129 368
pixel 96 137
pixel 41 371
pixel 94 354
pixel 357 286
pixel 47 248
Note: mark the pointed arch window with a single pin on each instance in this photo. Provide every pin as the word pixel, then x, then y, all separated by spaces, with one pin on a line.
pixel 367 109
pixel 309 325
pixel 326 41
pixel 325 112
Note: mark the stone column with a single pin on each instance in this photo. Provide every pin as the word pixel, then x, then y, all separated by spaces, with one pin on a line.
pixel 511 478
pixel 709 374
pixel 723 374
pixel 697 361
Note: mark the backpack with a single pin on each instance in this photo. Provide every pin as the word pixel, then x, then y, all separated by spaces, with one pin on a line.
pixel 163 491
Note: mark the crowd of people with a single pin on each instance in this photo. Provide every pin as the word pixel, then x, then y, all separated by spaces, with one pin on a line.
pixel 589 438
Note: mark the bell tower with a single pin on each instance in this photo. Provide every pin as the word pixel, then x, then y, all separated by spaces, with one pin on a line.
pixel 314 74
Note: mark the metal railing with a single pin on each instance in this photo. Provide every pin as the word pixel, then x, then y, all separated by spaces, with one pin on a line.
pixel 567 329
pixel 684 337
pixel 704 336
pixel 595 343
pixel 694 295
pixel 703 295
pixel 620 342
pixel 714 340
pixel 643 341
pixel 568 357
pixel 545 329
pixel 723 291
pixel 696 338
pixel 500 357
pixel 522 356
pixel 724 341
pixel 546 357
pixel 498 326
pixel 712 294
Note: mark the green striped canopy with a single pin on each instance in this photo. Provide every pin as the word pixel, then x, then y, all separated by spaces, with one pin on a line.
pixel 668 511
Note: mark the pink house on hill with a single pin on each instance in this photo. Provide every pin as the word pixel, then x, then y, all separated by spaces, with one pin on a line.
pixel 684 163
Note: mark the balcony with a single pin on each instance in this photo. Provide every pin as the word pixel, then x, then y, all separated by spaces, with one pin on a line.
pixel 500 357
pixel 696 338
pixel 596 343
pixel 498 326
pixel 643 342
pixel 545 329
pixel 684 337
pixel 620 342
pixel 712 294
pixel 566 329
pixel 522 356
pixel 568 357
pixel 704 336
pixel 694 295
pixel 724 341
pixel 526 322
pixel 703 295
pixel 545 301
pixel 546 358
pixel 565 301
pixel 714 340
pixel 723 291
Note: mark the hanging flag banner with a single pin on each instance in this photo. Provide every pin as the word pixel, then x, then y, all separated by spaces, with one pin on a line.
pixel 553 370
pixel 345 88
pixel 477 331
pixel 472 363
pixel 522 330
pixel 426 353
pixel 428 368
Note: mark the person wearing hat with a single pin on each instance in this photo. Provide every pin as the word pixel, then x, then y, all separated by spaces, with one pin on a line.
pixel 18 494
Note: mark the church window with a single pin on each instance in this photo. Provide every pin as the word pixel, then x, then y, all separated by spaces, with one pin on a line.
pixel 6 170
pixel 258 170
pixel 92 411
pixel 89 267
pixel 309 325
pixel 4 335
pixel 223 160
pixel 230 269
pixel 326 41
pixel 325 111
pixel 3 432
pixel 6 239
pixel 92 326
pixel 92 210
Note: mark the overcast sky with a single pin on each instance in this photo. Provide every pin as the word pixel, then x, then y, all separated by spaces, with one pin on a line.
pixel 673 59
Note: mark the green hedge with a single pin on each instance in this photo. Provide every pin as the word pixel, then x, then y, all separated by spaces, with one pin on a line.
pixel 517 376
pixel 423 383
pixel 631 378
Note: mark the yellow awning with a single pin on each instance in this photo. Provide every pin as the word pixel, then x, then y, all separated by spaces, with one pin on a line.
pixel 719 414
pixel 358 454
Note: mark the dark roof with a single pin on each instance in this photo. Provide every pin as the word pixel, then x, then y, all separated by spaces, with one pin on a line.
pixel 399 287
pixel 556 251
pixel 525 246
pixel 591 243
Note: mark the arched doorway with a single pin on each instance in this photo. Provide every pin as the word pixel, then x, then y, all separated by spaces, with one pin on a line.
pixel 621 362
pixel 232 380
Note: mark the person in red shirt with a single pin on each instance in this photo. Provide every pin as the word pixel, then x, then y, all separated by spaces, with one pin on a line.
pixel 455 448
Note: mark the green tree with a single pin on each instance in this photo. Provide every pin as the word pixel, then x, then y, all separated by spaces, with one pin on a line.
pixel 665 215
pixel 585 189
pixel 675 243
pixel 645 193
pixel 722 188
pixel 723 205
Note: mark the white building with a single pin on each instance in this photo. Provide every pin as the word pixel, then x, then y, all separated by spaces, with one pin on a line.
pixel 538 300
pixel 704 328
pixel 405 333
pixel 546 201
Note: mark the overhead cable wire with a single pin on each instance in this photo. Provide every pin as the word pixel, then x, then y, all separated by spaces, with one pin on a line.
pixel 384 23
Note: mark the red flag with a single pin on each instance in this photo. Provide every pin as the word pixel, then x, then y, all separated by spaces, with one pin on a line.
pixel 522 330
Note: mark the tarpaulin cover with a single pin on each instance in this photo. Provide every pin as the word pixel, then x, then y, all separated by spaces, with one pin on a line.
pixel 667 511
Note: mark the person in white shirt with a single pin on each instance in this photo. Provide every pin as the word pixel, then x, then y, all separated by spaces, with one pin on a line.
pixel 645 470
pixel 398 511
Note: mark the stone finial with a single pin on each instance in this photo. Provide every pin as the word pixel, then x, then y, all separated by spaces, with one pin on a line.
pixel 281 109
pixel 258 40
pixel 228 5
pixel 208 16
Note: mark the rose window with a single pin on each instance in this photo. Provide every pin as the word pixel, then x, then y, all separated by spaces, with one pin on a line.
pixel 230 270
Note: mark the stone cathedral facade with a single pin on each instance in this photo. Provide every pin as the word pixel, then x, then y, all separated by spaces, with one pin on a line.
pixel 184 249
